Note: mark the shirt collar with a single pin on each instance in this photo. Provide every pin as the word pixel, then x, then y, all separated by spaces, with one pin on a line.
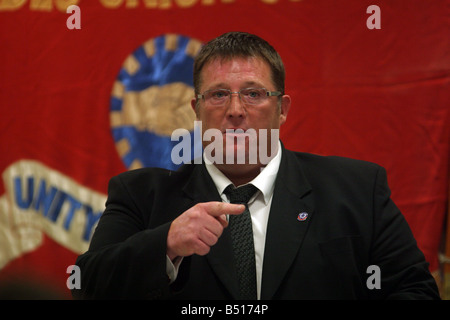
pixel 265 181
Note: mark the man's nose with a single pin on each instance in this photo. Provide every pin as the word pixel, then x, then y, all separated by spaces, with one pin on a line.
pixel 236 107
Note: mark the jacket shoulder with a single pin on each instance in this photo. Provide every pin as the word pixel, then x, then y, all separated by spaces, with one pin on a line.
pixel 336 170
pixel 315 161
pixel 146 176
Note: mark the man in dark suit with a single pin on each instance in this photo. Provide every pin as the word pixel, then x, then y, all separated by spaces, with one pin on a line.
pixel 321 227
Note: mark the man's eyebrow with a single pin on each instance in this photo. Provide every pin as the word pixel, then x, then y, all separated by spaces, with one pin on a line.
pixel 247 84
pixel 220 85
pixel 253 84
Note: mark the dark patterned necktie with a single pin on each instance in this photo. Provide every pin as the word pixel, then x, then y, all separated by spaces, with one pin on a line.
pixel 242 239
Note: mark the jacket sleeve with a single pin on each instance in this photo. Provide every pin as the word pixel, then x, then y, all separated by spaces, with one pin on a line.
pixel 404 270
pixel 125 260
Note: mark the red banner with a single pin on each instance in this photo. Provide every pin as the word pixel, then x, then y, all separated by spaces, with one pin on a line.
pixel 367 82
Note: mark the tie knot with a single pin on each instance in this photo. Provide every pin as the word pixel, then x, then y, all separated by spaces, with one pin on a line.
pixel 241 194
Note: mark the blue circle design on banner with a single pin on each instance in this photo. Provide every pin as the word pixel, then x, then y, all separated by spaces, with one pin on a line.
pixel 151 98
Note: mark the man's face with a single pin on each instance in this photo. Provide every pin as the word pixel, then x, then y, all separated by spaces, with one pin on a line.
pixel 235 75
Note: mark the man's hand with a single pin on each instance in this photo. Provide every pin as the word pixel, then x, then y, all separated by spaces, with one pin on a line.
pixel 199 228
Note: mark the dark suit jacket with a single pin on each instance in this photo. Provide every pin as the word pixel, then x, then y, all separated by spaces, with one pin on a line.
pixel 351 224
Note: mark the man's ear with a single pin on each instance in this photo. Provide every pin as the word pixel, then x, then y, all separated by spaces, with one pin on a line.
pixel 284 108
pixel 193 105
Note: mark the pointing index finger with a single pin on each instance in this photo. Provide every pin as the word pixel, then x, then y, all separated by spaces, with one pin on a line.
pixel 217 209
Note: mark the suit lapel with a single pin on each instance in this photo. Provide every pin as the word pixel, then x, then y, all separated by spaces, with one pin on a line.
pixel 285 233
pixel 201 188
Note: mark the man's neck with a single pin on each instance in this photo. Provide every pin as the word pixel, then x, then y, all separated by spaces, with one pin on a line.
pixel 240 174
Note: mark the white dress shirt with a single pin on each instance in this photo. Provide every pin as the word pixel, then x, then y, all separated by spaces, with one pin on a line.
pixel 259 206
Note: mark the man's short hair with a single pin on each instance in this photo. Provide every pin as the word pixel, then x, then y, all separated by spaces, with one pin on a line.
pixel 240 45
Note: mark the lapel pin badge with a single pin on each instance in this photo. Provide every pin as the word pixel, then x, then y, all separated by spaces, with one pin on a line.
pixel 302 216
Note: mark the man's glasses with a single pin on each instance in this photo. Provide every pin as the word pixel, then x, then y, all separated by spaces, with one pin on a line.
pixel 249 96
